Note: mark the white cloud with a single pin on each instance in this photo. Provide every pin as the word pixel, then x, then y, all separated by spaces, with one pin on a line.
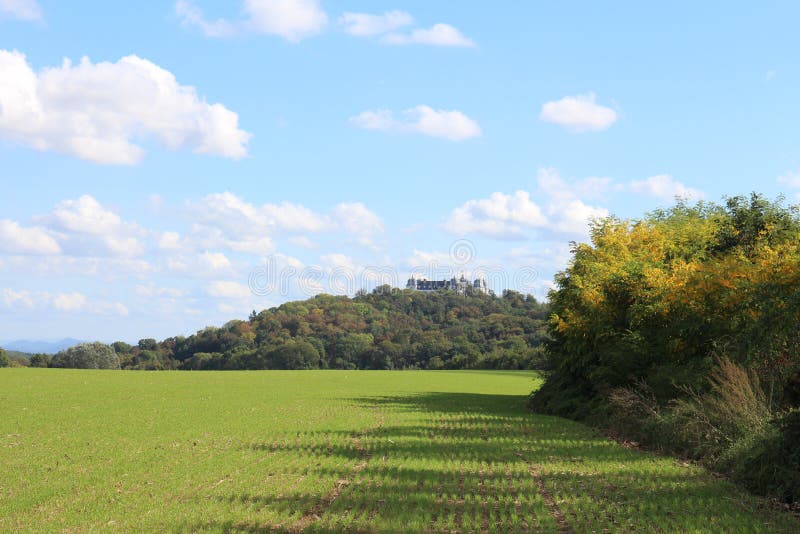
pixel 358 220
pixel 790 179
pixel 228 210
pixel 15 239
pixel 103 269
pixel 499 215
pixel 302 241
pixel 365 25
pixel 72 302
pixel 192 15
pixel 514 216
pixel 665 187
pixel 339 262
pixel 12 298
pixel 20 9
pixel 228 289
pixel 69 302
pixel 578 113
pixel 84 215
pixel 150 290
pixel 437 35
pixel 87 228
pixel 386 27
pixel 292 20
pixel 169 241
pixel 100 112
pixel 451 125
pixel 224 220
pixel 215 261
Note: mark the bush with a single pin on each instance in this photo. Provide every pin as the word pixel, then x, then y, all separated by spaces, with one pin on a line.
pixel 87 356
pixel 771 465
pixel 729 429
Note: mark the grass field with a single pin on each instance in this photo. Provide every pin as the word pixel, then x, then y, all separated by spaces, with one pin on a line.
pixel 330 451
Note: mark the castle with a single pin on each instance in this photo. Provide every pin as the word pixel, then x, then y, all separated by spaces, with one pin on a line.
pixel 459 285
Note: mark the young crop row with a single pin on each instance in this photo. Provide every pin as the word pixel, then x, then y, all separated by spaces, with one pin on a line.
pixel 332 452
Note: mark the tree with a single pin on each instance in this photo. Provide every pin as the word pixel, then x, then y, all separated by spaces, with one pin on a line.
pixel 295 354
pixel 148 344
pixel 120 347
pixel 40 360
pixel 5 361
pixel 654 300
pixel 87 356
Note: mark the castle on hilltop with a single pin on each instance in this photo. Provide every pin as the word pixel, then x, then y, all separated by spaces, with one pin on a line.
pixel 458 285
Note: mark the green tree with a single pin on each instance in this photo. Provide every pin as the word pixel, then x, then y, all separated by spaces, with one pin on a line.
pixel 87 356
pixel 5 361
pixel 295 354
pixel 40 360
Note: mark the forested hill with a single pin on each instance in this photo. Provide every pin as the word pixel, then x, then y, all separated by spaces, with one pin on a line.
pixel 386 329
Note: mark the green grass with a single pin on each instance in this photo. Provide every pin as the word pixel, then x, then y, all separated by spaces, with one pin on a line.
pixel 327 451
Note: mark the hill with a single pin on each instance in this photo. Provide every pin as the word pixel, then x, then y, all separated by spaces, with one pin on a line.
pixel 386 329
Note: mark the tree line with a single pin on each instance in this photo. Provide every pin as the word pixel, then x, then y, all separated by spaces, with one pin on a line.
pixel 388 328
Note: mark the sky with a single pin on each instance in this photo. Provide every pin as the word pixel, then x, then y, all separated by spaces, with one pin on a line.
pixel 167 166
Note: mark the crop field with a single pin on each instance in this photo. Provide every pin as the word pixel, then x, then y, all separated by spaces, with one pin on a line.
pixel 331 451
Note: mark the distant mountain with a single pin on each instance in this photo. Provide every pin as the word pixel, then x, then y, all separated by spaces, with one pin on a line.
pixel 40 346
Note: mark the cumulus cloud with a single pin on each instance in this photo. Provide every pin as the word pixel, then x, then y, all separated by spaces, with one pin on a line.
pixel 665 187
pixel 226 220
pixel 215 261
pixel 366 25
pixel 20 9
pixel 69 302
pixel 150 290
pixel 192 16
pixel 387 26
pixel 499 215
pixel 451 125
pixel 514 216
pixel 790 179
pixel 578 113
pixel 338 261
pixel 358 220
pixel 292 20
pixel 100 112
pixel 228 289
pixel 437 35
pixel 85 227
pixel 16 239
pixel 169 241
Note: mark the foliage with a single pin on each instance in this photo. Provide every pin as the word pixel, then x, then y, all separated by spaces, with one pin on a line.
pixel 771 464
pixel 87 356
pixel 332 451
pixel 40 360
pixel 386 329
pixel 653 299
pixel 639 314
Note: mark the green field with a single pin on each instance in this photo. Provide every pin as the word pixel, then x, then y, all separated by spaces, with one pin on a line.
pixel 330 451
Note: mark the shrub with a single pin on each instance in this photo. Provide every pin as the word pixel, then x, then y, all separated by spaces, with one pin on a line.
pixel 771 465
pixel 87 356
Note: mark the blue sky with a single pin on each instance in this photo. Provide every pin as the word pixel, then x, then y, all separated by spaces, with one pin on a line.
pixel 171 165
